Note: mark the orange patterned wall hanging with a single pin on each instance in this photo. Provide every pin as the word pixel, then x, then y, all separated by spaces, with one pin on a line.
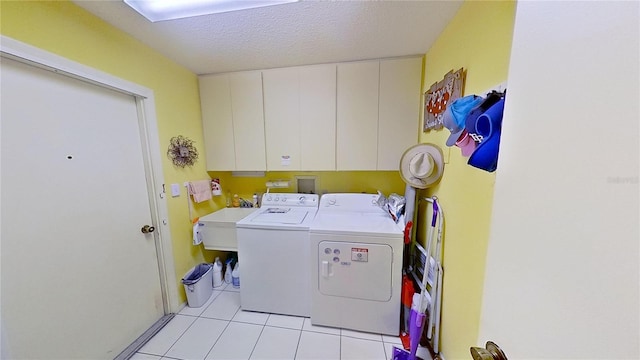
pixel 439 95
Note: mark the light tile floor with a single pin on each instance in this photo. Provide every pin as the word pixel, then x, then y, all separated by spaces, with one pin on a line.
pixel 221 330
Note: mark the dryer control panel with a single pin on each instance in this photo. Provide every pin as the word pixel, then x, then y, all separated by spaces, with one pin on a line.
pixel 352 202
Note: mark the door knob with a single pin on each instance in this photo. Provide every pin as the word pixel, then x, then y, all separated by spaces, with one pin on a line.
pixel 147 229
pixel 491 352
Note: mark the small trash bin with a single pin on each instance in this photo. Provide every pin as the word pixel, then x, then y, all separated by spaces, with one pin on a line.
pixel 198 284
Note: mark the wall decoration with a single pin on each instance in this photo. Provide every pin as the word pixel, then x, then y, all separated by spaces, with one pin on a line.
pixel 439 95
pixel 182 152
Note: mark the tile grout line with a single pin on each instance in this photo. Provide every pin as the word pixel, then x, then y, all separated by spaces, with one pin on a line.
pixel 179 337
pixel 340 347
pixel 217 339
pixel 226 326
pixel 257 340
pixel 295 355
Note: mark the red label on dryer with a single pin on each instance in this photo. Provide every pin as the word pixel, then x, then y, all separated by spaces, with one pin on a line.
pixel 359 254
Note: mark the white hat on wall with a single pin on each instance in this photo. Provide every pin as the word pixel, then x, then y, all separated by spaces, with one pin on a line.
pixel 422 165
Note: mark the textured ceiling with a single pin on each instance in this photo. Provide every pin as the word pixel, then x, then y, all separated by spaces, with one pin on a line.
pixel 302 33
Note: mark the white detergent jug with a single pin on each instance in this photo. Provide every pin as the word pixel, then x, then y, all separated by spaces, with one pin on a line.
pixel 235 276
pixel 217 273
pixel 227 273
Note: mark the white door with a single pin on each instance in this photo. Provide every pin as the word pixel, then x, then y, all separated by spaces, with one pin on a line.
pixel 79 278
pixel 562 279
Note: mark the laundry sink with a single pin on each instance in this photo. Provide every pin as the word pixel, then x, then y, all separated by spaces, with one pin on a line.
pixel 218 229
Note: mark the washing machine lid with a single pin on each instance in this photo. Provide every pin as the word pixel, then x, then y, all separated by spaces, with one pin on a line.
pixel 279 218
pixel 356 223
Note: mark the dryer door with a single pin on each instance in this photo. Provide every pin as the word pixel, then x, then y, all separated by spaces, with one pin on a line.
pixel 355 270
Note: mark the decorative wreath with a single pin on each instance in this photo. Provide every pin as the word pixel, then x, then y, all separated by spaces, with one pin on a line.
pixel 182 151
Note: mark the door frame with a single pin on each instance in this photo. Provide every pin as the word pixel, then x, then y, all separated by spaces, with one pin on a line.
pixel 147 122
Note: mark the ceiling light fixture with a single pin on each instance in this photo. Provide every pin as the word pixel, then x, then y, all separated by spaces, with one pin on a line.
pixel 160 10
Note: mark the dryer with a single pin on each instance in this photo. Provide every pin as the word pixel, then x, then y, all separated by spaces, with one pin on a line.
pixel 356 265
pixel 273 253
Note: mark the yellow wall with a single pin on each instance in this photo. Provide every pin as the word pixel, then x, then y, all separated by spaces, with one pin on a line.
pixel 326 181
pixel 67 30
pixel 478 39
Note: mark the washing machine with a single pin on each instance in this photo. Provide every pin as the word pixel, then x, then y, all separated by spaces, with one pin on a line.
pixel 356 267
pixel 273 253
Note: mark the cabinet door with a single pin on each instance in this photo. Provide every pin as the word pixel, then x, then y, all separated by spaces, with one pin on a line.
pixel 318 117
pixel 282 118
pixel 399 109
pixel 217 122
pixel 248 120
pixel 357 116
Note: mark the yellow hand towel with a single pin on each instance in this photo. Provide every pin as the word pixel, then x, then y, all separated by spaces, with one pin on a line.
pixel 200 190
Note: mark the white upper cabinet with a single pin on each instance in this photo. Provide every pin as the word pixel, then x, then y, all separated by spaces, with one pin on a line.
pixel 299 110
pixel 378 112
pixel 233 121
pixel 346 116
pixel 357 116
pixel 217 122
pixel 248 120
pixel 398 109
pixel 282 118
pixel 318 117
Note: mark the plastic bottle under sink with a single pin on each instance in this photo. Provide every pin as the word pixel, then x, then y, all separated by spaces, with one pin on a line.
pixel 227 272
pixel 217 272
pixel 235 276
